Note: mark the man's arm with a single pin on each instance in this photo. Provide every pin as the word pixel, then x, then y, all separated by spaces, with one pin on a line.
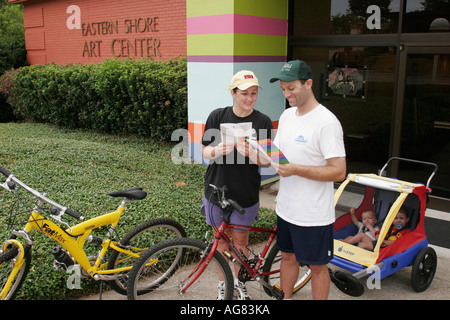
pixel 334 170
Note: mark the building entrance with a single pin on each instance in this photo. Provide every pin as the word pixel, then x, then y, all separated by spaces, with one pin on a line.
pixel 425 129
pixel 388 84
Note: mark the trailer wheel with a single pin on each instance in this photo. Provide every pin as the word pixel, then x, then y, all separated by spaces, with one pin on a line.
pixel 347 283
pixel 423 270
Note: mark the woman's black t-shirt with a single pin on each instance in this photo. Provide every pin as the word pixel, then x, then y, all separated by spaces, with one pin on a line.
pixel 238 173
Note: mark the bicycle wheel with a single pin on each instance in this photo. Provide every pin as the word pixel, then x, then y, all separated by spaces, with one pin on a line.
pixel 273 262
pixel 7 265
pixel 138 240
pixel 176 262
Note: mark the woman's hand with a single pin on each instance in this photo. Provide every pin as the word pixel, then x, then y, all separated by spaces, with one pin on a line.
pixel 221 149
pixel 247 150
pixel 244 149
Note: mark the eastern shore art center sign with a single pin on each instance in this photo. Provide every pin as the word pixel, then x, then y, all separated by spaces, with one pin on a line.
pixel 134 36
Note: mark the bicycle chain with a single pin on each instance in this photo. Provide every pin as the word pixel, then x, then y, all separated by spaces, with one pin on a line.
pixel 243 274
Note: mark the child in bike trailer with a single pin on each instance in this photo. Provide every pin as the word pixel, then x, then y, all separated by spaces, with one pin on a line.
pixel 367 230
pixel 398 228
pixel 233 164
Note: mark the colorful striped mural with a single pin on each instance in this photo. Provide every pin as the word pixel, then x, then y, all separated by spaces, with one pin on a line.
pixel 226 36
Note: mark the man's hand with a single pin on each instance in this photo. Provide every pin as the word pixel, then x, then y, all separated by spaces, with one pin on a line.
pixel 334 170
pixel 284 170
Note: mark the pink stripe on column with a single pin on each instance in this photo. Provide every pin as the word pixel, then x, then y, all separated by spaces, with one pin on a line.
pixel 210 24
pixel 260 25
pixel 236 23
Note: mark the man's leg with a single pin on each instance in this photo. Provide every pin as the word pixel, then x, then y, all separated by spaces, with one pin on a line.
pixel 288 273
pixel 320 282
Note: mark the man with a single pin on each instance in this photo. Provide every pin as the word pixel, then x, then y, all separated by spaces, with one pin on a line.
pixel 311 138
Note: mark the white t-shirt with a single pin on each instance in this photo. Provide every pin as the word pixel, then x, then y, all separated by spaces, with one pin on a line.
pixel 308 140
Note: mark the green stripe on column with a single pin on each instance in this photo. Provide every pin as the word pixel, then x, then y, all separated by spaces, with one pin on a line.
pixel 196 8
pixel 236 44
pixel 262 8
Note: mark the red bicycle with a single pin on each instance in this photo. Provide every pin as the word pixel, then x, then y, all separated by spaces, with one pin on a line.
pixel 192 268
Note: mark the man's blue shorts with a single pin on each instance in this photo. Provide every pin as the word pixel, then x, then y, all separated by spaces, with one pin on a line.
pixel 311 245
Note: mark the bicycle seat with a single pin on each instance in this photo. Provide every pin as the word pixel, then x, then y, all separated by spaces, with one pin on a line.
pixel 135 193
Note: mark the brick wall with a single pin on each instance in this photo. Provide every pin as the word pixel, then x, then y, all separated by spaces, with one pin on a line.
pixel 106 29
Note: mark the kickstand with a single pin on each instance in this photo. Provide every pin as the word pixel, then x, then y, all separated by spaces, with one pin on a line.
pixel 101 290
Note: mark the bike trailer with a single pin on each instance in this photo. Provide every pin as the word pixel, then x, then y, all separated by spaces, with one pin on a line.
pixel 384 196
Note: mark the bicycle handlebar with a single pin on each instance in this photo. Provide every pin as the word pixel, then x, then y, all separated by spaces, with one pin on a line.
pixel 38 195
pixel 236 206
pixel 74 214
pixel 224 202
pixel 5 172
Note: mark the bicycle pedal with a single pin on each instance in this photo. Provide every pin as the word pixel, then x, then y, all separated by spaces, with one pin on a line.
pixel 228 255
pixel 123 279
pixel 277 293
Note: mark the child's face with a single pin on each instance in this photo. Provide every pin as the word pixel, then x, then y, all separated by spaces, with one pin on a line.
pixel 368 218
pixel 400 220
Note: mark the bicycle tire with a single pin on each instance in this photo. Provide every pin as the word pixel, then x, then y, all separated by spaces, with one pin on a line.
pixel 273 262
pixel 149 235
pixel 6 267
pixel 171 273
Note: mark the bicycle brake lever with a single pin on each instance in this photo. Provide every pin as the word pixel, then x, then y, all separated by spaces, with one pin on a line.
pixel 8 185
pixel 58 217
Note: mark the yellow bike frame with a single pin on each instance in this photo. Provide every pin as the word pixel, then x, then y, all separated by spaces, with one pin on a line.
pixel 73 240
pixel 17 265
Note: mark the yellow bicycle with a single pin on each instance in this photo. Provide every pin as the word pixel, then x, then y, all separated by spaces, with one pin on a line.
pixel 47 217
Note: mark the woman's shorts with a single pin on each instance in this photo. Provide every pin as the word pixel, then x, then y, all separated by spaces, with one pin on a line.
pixel 213 214
pixel 311 245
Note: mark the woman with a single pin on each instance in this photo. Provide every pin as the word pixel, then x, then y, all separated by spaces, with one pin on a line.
pixel 234 164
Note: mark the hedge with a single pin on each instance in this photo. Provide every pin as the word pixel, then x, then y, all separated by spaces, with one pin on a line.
pixel 142 97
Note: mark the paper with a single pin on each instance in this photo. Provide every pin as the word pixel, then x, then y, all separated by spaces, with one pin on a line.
pixel 234 132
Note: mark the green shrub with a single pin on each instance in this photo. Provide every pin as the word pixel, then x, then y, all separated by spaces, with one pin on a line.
pixel 13 53
pixel 142 97
pixel 6 82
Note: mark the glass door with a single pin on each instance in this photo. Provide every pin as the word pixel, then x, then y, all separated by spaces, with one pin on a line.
pixel 425 128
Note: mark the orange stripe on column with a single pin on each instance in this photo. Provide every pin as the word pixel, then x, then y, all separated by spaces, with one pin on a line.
pixel 195 132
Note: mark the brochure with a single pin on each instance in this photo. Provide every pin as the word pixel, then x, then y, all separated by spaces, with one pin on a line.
pixel 268 150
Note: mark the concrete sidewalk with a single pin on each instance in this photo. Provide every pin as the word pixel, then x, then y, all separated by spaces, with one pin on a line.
pixel 394 287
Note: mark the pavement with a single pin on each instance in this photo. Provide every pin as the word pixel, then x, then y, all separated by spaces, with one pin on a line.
pixel 394 287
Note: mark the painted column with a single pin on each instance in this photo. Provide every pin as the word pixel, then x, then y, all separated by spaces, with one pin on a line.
pixel 224 37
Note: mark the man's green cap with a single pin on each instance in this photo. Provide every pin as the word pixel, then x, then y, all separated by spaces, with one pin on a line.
pixel 294 70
